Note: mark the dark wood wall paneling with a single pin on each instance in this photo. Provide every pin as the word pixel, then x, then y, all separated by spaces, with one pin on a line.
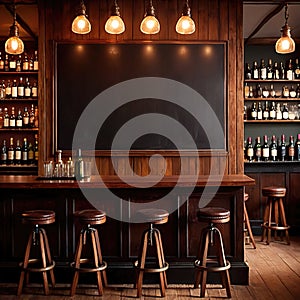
pixel 216 20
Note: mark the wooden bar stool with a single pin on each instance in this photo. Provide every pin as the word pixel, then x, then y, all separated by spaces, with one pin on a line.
pixel 96 264
pixel 38 238
pixel 211 237
pixel 247 222
pixel 152 237
pixel 274 220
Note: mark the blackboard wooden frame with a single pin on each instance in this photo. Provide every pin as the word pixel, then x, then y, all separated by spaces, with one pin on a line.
pixel 68 102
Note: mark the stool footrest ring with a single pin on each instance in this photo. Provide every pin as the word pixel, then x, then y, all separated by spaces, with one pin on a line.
pixel 152 270
pixel 102 267
pixel 275 227
pixel 34 261
pixel 198 265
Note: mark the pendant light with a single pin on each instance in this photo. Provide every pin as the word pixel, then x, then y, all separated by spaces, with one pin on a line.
pixel 14 45
pixel 185 24
pixel 150 24
pixel 285 44
pixel 81 24
pixel 115 24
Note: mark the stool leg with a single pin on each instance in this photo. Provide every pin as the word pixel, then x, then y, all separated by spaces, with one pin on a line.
pixel 77 263
pixel 25 264
pixel 50 261
pixel 266 216
pixel 284 223
pixel 44 263
pixel 162 256
pixel 96 261
pixel 160 262
pixel 222 261
pixel 100 257
pixel 141 263
pixel 249 226
pixel 276 217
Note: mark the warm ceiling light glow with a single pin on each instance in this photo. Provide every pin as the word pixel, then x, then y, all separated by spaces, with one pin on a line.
pixel 150 24
pixel 81 24
pixel 185 24
pixel 115 24
pixel 285 44
pixel 14 45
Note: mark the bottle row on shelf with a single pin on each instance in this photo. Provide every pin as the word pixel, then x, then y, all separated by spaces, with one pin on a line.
pixel 257 91
pixel 18 90
pixel 18 63
pixel 290 70
pixel 23 119
pixel 17 154
pixel 272 111
pixel 274 149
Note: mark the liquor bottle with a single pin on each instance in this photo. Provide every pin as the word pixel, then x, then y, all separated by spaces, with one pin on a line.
pixel 1 118
pixel 285 92
pixel 36 61
pixel 258 91
pixel 36 149
pixel 276 71
pixel 11 152
pixel 2 90
pixel 259 112
pixel 27 89
pixel 297 148
pixel 36 117
pixel 18 64
pixel 251 95
pixel 26 118
pixel 14 89
pixel 255 71
pixel 262 69
pixel 8 90
pixel 12 64
pixel 30 154
pixel 290 71
pixel 257 149
pixel 278 112
pixel 246 90
pixel 3 160
pixel 12 118
pixel 296 69
pixel 245 112
pixel 265 92
pixel 6 118
pixel 265 149
pixel 281 71
pixel 21 88
pixel 25 152
pixel 285 112
pixel 30 63
pixel 292 92
pixel 248 73
pixel 282 149
pixel 34 90
pixel 272 113
pixel 6 63
pixel 272 92
pixel 298 91
pixel 18 153
pixel 31 117
pixel 266 113
pixel 25 65
pixel 254 111
pixel 273 149
pixel 1 63
pixel 19 119
pixel 291 149
pixel 79 170
pixel 270 71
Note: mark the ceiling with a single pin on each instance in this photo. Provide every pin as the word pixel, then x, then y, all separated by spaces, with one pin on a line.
pixel 254 12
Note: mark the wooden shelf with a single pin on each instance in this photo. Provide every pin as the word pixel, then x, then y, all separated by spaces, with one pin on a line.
pixel 272 80
pixel 271 121
pixel 19 129
pixel 19 100
pixel 272 99
pixel 19 73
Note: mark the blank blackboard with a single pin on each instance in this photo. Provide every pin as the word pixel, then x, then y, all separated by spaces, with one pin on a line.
pixel 83 71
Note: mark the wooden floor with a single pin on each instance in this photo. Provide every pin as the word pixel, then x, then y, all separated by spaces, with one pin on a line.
pixel 274 274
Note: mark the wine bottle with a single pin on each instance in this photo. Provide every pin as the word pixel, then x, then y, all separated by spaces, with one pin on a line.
pixel 285 112
pixel 257 149
pixel 254 111
pixel 6 118
pixel 266 112
pixel 3 160
pixel 255 71
pixel 25 65
pixel 1 62
pixel 265 149
pixel 273 149
pixel 8 90
pixel 290 71
pixel 263 69
pixel 18 153
pixel 291 149
pixel 282 149
pixel 297 148
pixel 21 88
pixel 26 118
pixel 258 91
pixel 12 118
pixel 298 91
pixel 25 152
pixel 6 63
pixel 36 149
pixel 259 112
pixel 31 117
pixel 18 64
pixel 36 61
pixel 278 112
pixel 1 118
pixel 270 72
pixel 2 90
pixel 11 152
pixel 281 71
pixel 30 154
pixel 272 113
pixel 12 64
pixel 34 90
pixel 14 89
pixel 297 69
pixel 246 90
pixel 19 119
pixel 79 170
pixel 27 89
pixel 276 71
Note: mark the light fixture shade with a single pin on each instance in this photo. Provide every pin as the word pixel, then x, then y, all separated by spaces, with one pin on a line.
pixel 185 25
pixel 114 25
pixel 14 45
pixel 150 25
pixel 81 25
pixel 285 44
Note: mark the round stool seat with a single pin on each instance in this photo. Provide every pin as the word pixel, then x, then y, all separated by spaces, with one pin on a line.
pixel 213 215
pixel 38 217
pixel 91 216
pixel 152 215
pixel 273 191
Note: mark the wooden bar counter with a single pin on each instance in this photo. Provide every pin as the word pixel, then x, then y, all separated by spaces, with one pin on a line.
pixel 120 240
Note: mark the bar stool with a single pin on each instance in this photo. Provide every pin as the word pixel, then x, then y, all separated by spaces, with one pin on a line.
pixel 275 197
pixel 87 218
pixel 37 237
pixel 247 222
pixel 211 237
pixel 150 237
